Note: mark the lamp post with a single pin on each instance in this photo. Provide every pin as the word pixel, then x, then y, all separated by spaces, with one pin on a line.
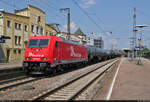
pixel 140 43
pixel 68 25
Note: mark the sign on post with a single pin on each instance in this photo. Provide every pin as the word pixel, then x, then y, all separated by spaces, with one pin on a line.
pixel 140 43
pixel 2 41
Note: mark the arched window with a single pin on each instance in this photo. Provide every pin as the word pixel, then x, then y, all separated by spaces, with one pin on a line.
pixel 39 19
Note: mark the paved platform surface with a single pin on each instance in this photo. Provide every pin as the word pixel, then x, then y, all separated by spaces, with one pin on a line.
pixel 4 66
pixel 132 82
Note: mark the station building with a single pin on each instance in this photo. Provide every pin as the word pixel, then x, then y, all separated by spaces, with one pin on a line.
pixel 19 26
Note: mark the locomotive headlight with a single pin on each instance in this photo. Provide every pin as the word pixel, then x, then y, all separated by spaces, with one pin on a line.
pixel 44 59
pixel 28 58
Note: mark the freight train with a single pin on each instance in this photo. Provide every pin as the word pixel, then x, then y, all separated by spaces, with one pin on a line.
pixel 45 54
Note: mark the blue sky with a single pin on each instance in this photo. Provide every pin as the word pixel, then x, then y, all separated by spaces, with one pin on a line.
pixel 114 16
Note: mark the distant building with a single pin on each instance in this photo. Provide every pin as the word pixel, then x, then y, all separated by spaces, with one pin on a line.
pixel 78 36
pixel 50 30
pixel 90 41
pixel 19 26
pixel 127 52
pixel 95 42
pixel 63 34
pixel 99 43
pixel 72 37
pixel 81 35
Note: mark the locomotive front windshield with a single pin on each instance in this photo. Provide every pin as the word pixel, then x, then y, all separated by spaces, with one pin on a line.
pixel 38 43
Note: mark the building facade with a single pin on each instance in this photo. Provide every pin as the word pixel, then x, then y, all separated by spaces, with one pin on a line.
pixel 95 42
pixel 90 41
pixel 81 35
pixel 78 36
pixel 19 26
pixel 50 30
pixel 99 43
pixel 72 37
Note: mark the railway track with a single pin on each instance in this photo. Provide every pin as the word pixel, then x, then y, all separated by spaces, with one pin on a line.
pixel 12 79
pixel 15 81
pixel 12 70
pixel 7 84
pixel 72 89
pixel 11 73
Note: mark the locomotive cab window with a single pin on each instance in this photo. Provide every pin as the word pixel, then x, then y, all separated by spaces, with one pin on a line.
pixel 43 43
pixel 38 43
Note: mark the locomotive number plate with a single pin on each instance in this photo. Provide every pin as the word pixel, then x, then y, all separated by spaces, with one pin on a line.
pixel 36 58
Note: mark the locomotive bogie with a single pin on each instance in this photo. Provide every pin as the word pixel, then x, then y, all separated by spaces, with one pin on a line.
pixel 36 66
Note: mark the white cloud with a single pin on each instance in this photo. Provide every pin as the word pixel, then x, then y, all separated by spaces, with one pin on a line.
pixel 73 27
pixel 87 3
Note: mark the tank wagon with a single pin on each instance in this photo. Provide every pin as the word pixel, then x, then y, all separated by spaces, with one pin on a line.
pixel 96 54
pixel 51 53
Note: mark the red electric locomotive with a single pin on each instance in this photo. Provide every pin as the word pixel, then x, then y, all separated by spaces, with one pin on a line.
pixel 50 53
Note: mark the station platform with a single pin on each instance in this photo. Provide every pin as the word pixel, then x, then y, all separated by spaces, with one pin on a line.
pixel 10 66
pixel 129 82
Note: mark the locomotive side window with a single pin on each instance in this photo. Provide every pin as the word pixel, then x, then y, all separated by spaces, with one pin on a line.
pixel 38 43
pixel 56 44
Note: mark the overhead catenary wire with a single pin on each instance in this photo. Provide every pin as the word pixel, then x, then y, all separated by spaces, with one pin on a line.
pixel 11 5
pixel 54 8
pixel 14 6
pixel 90 18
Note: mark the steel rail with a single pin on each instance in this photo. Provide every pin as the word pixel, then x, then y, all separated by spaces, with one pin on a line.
pixel 18 83
pixel 13 79
pixel 82 89
pixel 48 92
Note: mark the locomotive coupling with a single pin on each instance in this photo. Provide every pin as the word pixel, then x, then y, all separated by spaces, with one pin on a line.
pixel 43 64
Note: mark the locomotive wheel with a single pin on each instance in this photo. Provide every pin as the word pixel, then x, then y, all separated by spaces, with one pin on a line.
pixel 27 72
pixel 54 71
pixel 59 68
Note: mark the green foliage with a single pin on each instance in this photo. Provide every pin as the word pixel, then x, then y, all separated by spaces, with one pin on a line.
pixel 145 52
